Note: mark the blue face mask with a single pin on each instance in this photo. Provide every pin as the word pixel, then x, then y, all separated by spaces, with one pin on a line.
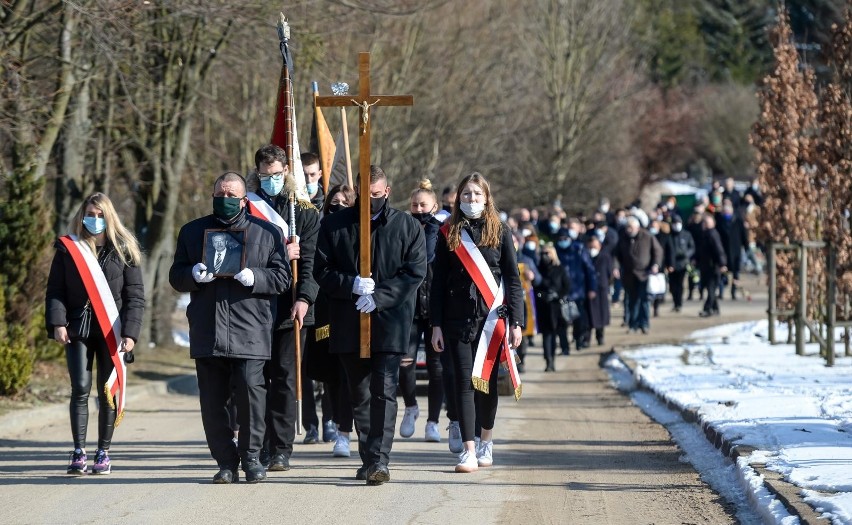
pixel 573 234
pixel 312 188
pixel 272 185
pixel 563 243
pixel 95 225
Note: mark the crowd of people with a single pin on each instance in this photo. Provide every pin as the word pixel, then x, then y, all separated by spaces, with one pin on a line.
pixel 468 284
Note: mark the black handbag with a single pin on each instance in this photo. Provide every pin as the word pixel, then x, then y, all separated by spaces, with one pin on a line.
pixel 80 322
pixel 568 311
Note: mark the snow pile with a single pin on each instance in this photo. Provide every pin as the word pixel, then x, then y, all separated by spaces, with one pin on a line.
pixel 793 409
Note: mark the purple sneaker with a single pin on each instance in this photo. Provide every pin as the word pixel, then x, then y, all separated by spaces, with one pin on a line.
pixel 101 465
pixel 78 464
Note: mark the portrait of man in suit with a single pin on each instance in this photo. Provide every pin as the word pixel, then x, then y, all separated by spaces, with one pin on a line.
pixel 224 252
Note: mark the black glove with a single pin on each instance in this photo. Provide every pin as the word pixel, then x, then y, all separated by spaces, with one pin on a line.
pixel 503 311
pixel 128 358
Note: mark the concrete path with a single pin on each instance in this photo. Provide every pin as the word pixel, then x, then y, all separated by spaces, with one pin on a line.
pixel 573 450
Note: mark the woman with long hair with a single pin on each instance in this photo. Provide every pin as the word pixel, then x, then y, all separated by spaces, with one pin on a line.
pixel 99 229
pixel 550 293
pixel 321 365
pixel 459 310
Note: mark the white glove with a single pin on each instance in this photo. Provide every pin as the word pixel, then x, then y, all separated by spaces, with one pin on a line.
pixel 245 277
pixel 199 273
pixel 363 285
pixel 365 304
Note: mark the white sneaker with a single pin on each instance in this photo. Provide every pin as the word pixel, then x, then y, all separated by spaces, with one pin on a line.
pixel 432 433
pixel 341 445
pixel 454 437
pixel 484 454
pixel 467 462
pixel 406 428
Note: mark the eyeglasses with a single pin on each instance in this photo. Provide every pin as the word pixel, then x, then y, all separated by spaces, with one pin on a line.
pixel 266 176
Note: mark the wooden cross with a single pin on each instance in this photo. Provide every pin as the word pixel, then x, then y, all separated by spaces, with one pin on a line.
pixel 365 100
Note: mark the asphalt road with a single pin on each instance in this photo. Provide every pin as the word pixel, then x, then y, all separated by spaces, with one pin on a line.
pixel 573 450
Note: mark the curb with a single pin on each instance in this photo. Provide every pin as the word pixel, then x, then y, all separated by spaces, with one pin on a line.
pixel 17 419
pixel 787 493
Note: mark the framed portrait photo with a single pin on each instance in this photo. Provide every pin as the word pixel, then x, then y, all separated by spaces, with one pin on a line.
pixel 224 251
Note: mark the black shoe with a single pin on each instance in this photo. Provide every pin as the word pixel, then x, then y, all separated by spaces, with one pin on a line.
pixel 377 474
pixel 601 341
pixel 226 475
pixel 361 474
pixel 254 471
pixel 279 463
pixel 643 330
pixel 264 457
pixel 704 313
pixel 521 368
pixel 311 436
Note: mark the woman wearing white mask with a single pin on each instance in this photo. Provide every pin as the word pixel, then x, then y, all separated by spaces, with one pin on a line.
pixel 476 280
pixel 101 247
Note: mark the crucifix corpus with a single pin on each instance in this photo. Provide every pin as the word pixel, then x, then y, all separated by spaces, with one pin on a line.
pixel 365 101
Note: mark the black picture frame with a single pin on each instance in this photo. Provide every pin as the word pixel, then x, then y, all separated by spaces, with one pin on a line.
pixel 234 258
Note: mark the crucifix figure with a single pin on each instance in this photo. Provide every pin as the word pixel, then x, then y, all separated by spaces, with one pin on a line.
pixel 364 101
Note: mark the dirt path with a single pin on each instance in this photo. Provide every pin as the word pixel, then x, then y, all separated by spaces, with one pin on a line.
pixel 572 451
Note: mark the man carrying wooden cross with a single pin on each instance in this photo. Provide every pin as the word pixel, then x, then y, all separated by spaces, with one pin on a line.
pixel 398 253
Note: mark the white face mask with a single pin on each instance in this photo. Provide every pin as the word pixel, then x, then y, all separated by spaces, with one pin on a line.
pixel 525 233
pixel 472 210
pixel 677 226
pixel 594 252
pixel 604 208
pixel 530 246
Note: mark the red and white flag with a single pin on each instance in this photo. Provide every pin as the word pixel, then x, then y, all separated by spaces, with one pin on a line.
pixel 106 314
pixel 262 209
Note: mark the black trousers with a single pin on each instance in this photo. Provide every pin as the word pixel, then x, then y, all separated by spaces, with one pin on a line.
pixel 676 286
pixel 581 324
pixel 473 406
pixel 309 403
pixel 372 389
pixel 548 343
pixel 218 379
pixel 79 355
pixel 281 403
pixel 338 392
pixel 710 281
pixel 434 368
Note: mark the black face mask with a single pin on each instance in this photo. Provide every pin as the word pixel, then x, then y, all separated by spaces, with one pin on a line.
pixel 448 208
pixel 422 217
pixel 376 204
pixel 332 208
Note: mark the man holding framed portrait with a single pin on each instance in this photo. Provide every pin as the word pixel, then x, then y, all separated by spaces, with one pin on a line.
pixel 231 320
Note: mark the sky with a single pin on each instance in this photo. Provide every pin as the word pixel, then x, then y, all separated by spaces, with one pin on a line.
pixel 795 411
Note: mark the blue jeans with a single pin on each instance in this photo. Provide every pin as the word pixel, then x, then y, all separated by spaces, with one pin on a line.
pixel 638 309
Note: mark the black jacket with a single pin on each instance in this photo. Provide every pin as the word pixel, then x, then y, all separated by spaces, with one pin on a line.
pixel 430 231
pixel 307 228
pixel 66 292
pixel 733 235
pixel 398 268
pixel 456 304
pixel 680 250
pixel 553 288
pixel 227 319
pixel 598 308
pixel 711 254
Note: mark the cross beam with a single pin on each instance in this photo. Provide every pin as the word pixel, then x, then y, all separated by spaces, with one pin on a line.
pixel 365 101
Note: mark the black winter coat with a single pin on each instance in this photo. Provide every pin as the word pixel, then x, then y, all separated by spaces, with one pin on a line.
pixel 711 254
pixel 599 306
pixel 227 319
pixel 554 287
pixel 679 250
pixel 430 230
pixel 733 235
pixel 457 306
pixel 398 264
pixel 636 256
pixel 307 228
pixel 66 292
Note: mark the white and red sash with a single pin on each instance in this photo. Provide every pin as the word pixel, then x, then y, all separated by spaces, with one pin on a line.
pixel 495 333
pixel 106 313
pixel 260 208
